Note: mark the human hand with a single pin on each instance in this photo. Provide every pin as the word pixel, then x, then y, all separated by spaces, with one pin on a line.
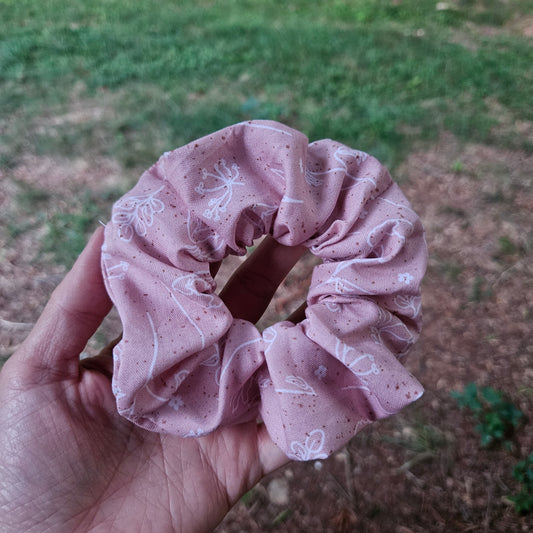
pixel 69 462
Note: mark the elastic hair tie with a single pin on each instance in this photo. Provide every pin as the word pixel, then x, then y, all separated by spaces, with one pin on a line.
pixel 185 366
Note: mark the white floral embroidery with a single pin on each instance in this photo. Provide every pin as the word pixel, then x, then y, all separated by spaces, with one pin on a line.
pixel 391 228
pixel 117 352
pixel 228 360
pixel 189 318
pixel 118 271
pixel 409 304
pixel 155 344
pixel 264 383
pixel 405 278
pixel 264 127
pixel 342 285
pixel 135 214
pixel 199 432
pixel 311 448
pixel 289 200
pixel 226 178
pixel 312 178
pixel 345 157
pixel 334 307
pixel 245 396
pixel 117 391
pixel 391 326
pixel 269 336
pixel 200 285
pixel 356 364
pixel 321 372
pixel 207 245
pixel 213 360
pixel 175 403
pixel 265 213
pixel 179 378
pixel 299 386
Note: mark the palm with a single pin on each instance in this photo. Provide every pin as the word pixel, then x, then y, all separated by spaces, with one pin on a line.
pixel 71 463
pixel 105 459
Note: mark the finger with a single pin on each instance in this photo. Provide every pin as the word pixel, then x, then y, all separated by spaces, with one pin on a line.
pixel 270 456
pixel 75 310
pixel 251 287
pixel 214 268
pixel 103 362
pixel 298 314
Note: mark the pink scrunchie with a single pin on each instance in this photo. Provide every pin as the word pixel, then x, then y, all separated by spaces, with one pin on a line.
pixel 186 367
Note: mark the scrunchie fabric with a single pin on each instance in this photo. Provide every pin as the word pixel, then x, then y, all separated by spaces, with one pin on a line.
pixel 185 366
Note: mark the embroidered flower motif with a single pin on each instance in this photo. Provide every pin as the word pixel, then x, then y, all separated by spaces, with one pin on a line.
pixel 361 365
pixel 349 161
pixel 310 448
pixel 213 360
pixel 199 432
pixel 176 403
pixel 118 271
pixel 409 304
pixel 298 386
pixel 334 307
pixel 207 245
pixel 179 378
pixel 405 278
pixel 321 372
pixel 226 179
pixel 264 383
pixel 269 336
pixel 199 285
pixel 136 214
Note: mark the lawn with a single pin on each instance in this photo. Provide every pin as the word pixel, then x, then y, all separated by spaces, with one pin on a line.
pixel 374 74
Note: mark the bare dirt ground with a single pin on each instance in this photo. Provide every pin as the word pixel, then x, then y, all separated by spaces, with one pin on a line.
pixel 422 470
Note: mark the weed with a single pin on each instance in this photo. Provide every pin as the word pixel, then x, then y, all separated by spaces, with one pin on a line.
pixel 458 166
pixel 507 246
pixel 479 291
pixel 419 438
pixel 281 517
pixel 248 497
pixel 523 473
pixel 497 418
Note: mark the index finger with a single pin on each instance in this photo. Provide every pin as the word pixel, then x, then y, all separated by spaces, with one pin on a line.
pixel 252 286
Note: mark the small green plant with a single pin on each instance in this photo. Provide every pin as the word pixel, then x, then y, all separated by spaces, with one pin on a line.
pixel 497 418
pixel 507 246
pixel 458 166
pixel 523 473
pixel 479 290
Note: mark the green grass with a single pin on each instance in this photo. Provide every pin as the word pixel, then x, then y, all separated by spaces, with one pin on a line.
pixel 372 74
pixel 377 76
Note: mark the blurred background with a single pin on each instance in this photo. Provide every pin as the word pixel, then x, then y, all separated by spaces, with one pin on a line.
pixel 92 92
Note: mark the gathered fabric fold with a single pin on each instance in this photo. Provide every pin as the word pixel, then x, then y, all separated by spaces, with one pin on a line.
pixel 185 366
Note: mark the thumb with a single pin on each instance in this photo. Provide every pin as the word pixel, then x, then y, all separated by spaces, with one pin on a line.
pixel 75 310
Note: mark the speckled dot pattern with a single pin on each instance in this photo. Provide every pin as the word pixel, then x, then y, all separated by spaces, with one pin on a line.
pixel 185 366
